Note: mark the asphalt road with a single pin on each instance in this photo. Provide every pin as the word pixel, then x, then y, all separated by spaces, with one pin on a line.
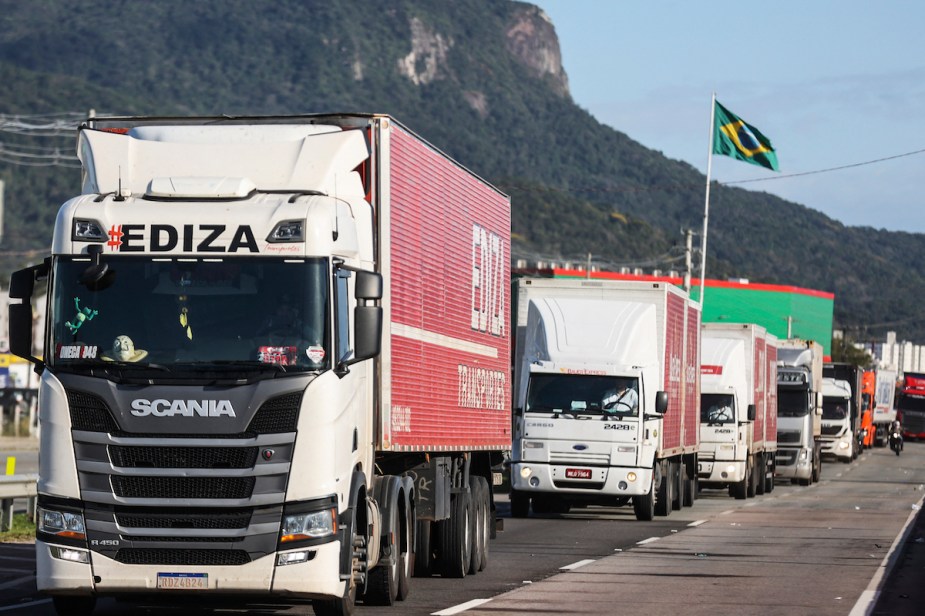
pixel 797 550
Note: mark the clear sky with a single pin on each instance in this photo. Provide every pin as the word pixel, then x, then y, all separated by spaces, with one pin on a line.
pixel 832 83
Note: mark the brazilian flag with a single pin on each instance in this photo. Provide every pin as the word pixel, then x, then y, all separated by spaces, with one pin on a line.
pixel 732 136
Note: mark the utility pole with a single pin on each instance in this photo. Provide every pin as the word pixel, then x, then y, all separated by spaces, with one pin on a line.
pixel 688 251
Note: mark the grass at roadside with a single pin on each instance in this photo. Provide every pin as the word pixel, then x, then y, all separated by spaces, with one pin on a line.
pixel 22 531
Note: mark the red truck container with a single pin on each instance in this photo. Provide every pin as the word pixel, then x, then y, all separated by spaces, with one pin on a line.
pixel 318 309
pixel 910 405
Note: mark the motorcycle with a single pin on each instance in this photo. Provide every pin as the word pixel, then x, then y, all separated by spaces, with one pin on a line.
pixel 896 441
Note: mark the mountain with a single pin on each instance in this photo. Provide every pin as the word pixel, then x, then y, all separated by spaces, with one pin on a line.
pixel 480 79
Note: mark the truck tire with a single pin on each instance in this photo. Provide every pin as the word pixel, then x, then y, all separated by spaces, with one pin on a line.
pixel 482 520
pixel 520 504
pixel 456 538
pixel 664 496
pixel 688 488
pixel 344 605
pixel 423 550
pixel 761 475
pixel 382 582
pixel 677 489
pixel 817 465
pixel 739 490
pixel 406 546
pixel 644 504
pixel 74 606
pixel 752 477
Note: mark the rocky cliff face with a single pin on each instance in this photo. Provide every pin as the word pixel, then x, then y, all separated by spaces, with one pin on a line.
pixel 531 39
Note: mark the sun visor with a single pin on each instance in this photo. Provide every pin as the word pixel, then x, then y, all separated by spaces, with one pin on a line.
pixel 320 162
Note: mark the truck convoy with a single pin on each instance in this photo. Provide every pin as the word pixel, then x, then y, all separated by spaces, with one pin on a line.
pixel 910 405
pixel 884 411
pixel 837 436
pixel 799 411
pixel 738 408
pixel 606 386
pixel 275 363
pixel 853 375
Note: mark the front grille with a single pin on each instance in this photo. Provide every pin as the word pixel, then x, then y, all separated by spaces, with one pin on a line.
pixel 198 519
pixel 579 457
pixel 785 458
pixel 183 487
pixel 581 485
pixel 89 413
pixel 831 430
pixel 279 414
pixel 137 538
pixel 183 457
pixel 788 437
pixel 154 556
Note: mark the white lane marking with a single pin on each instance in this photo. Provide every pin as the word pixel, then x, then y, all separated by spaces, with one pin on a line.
pixel 649 540
pixel 456 344
pixel 462 607
pixel 727 512
pixel 580 563
pixel 10 608
pixel 697 523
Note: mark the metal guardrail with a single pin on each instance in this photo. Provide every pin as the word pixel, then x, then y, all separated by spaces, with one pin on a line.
pixel 11 488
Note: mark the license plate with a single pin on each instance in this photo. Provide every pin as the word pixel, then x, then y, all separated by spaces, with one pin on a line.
pixel 578 473
pixel 183 580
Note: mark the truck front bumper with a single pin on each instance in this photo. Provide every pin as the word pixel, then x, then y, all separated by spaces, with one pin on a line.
pixel 720 471
pixel 840 447
pixel 571 479
pixel 794 463
pixel 317 577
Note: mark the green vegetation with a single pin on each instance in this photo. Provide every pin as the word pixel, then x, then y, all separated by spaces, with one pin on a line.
pixel 578 187
pixel 21 531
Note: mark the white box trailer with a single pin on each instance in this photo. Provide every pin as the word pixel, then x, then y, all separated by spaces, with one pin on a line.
pixel 738 422
pixel 579 437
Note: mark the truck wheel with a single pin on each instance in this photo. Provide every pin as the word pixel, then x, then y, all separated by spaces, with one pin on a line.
pixel 687 487
pixel 406 549
pixel 677 490
pixel 644 504
pixel 456 538
pixel 740 490
pixel 74 606
pixel 475 525
pixel 482 520
pixel 817 465
pixel 761 478
pixel 382 584
pixel 423 552
pixel 664 496
pixel 520 504
pixel 752 478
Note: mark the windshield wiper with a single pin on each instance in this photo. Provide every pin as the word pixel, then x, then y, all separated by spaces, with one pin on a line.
pixel 244 364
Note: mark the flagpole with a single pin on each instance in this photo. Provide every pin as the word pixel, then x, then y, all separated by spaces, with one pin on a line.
pixel 706 206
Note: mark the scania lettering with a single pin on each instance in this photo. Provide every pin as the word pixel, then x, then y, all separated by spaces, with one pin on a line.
pixel 189 408
pixel 605 396
pixel 260 374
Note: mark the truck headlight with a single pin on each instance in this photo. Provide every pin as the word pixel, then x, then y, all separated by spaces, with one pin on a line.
pixel 62 524
pixel 533 444
pixel 525 471
pixel 310 525
pixel 842 445
pixel 804 454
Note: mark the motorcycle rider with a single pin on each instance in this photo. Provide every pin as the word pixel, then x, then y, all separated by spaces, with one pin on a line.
pixel 896 436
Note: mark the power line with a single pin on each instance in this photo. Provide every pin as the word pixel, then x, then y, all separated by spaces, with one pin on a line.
pixel 794 175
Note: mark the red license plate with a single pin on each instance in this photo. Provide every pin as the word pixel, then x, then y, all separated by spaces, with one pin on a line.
pixel 578 473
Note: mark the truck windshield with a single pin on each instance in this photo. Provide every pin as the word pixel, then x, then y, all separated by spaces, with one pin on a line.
pixel 911 403
pixel 574 395
pixel 834 408
pixel 188 315
pixel 717 408
pixel 792 402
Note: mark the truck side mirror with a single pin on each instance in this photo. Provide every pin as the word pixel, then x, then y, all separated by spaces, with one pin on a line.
pixel 751 412
pixel 367 318
pixel 22 285
pixel 661 402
